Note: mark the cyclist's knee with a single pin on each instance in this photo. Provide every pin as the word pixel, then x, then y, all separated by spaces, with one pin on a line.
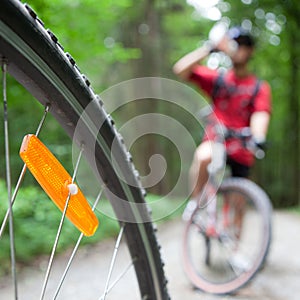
pixel 203 153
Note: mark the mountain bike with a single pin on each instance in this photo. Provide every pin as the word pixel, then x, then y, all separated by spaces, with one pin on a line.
pixel 227 234
pixel 33 55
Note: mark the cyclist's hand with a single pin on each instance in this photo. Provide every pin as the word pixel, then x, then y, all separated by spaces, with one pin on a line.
pixel 260 143
pixel 227 46
pixel 258 147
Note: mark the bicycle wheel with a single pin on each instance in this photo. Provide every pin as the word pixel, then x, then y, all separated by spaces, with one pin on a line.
pixel 241 241
pixel 35 59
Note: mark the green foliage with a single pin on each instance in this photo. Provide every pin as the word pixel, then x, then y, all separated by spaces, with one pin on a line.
pixel 36 221
pixel 170 208
pixel 89 30
pixel 106 40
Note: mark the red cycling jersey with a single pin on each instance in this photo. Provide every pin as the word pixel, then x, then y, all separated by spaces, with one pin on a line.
pixel 233 103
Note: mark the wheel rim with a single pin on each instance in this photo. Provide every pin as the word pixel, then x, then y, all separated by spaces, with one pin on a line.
pixel 153 284
pixel 222 275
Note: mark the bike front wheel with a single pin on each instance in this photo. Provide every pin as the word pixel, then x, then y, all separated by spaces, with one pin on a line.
pixel 33 56
pixel 239 242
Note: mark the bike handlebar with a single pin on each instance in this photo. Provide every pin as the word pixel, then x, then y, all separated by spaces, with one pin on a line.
pixel 245 135
pixel 219 150
pixel 222 134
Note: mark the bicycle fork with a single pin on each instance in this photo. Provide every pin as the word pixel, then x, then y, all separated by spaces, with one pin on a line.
pixel 212 228
pixel 211 211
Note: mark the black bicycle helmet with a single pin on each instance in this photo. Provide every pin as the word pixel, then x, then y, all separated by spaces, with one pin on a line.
pixel 241 36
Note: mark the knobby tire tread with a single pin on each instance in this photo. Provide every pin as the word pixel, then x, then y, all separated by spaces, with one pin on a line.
pixel 37 60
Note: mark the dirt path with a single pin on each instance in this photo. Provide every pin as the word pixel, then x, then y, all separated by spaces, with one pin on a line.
pixel 279 280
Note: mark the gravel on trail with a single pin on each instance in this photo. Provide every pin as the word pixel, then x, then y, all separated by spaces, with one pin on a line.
pixel 280 279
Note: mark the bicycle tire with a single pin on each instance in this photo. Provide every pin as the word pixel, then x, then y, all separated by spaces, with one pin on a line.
pixel 209 282
pixel 37 60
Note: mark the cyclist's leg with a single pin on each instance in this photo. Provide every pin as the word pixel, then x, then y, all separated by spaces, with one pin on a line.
pixel 198 177
pixel 238 203
pixel 198 170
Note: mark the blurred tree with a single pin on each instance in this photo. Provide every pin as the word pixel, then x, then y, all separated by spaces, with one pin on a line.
pixel 278 62
pixel 113 41
pixel 275 24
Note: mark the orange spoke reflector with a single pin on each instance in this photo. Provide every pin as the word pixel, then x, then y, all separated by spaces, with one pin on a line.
pixel 57 183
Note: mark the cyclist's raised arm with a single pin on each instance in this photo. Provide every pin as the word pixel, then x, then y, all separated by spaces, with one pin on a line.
pixel 184 66
pixel 259 124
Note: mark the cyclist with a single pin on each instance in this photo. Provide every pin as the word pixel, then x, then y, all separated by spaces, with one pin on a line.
pixel 239 100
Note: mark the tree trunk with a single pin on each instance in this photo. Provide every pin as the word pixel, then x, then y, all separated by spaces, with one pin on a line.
pixel 292 136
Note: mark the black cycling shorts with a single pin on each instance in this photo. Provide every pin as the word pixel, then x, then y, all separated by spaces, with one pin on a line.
pixel 237 169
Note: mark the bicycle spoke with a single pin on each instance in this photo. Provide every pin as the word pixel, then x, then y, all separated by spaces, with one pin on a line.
pixel 8 183
pixel 22 174
pixel 38 62
pixel 113 261
pixel 74 251
pixel 40 126
pixel 50 264
pixel 121 275
pixel 198 223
